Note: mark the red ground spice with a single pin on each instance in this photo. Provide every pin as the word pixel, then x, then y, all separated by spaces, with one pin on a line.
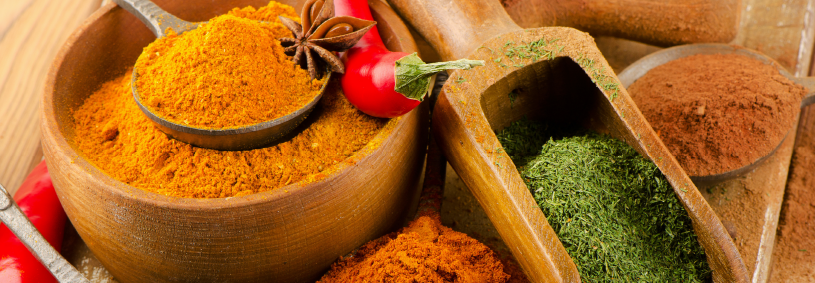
pixel 425 251
pixel 717 113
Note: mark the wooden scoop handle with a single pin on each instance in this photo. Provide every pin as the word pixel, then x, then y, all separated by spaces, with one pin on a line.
pixel 663 22
pixel 456 28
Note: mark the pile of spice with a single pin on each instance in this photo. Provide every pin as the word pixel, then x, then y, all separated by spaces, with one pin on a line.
pixel 794 253
pixel 229 72
pixel 425 251
pixel 717 113
pixel 113 133
pixel 615 213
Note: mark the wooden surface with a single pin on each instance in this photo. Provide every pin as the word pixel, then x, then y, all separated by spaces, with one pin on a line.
pixel 660 22
pixel 465 135
pixel 31 32
pixel 775 27
pixel 455 30
pixel 290 234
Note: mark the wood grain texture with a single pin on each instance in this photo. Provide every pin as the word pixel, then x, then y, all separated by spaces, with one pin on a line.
pixel 659 22
pixel 781 29
pixel 291 234
pixel 474 103
pixel 11 12
pixel 31 32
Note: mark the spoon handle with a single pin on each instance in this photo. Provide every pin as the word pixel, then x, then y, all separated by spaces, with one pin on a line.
pixel 18 223
pixel 155 17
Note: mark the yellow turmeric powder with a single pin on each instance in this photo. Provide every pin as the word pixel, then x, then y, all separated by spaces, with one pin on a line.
pixel 113 133
pixel 229 72
pixel 268 13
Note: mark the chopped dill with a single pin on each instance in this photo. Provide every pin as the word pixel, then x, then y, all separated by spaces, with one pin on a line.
pixel 613 210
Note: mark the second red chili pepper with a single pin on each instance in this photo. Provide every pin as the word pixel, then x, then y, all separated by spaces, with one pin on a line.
pixel 38 200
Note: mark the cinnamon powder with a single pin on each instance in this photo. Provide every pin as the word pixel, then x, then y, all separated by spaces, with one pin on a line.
pixel 794 255
pixel 717 112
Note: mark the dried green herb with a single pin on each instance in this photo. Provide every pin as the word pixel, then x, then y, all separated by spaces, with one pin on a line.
pixel 613 210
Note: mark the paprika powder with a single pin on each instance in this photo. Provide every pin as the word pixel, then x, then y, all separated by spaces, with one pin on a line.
pixel 425 251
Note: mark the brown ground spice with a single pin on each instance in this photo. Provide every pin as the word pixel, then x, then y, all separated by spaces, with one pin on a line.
pixel 717 113
pixel 113 133
pixel 794 255
pixel 425 251
pixel 228 72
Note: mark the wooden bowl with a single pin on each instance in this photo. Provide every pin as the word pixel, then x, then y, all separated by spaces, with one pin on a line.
pixel 291 234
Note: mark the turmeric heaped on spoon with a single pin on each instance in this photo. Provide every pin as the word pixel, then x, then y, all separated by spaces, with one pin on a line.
pixel 227 73
pixel 227 84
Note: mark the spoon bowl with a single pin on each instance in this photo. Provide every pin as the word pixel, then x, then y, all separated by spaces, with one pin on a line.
pixel 237 138
pixel 642 66
pixel 232 138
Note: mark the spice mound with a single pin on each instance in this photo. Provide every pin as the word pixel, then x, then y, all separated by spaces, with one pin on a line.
pixel 717 113
pixel 425 251
pixel 229 72
pixel 114 135
pixel 615 213
pixel 795 248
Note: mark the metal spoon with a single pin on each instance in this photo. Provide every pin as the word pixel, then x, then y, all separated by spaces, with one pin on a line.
pixel 240 138
pixel 18 223
pixel 642 66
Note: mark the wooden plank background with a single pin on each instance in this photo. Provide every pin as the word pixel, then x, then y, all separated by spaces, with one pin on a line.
pixel 31 33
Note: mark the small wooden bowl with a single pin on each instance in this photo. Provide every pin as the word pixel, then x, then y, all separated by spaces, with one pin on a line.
pixel 291 234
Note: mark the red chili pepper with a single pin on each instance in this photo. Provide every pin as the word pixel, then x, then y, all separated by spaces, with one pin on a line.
pixel 38 200
pixel 383 83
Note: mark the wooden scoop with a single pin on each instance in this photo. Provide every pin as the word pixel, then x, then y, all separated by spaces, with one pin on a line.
pixel 658 22
pixel 642 66
pixel 561 77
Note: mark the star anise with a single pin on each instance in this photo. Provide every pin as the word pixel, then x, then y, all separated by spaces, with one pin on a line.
pixel 324 36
